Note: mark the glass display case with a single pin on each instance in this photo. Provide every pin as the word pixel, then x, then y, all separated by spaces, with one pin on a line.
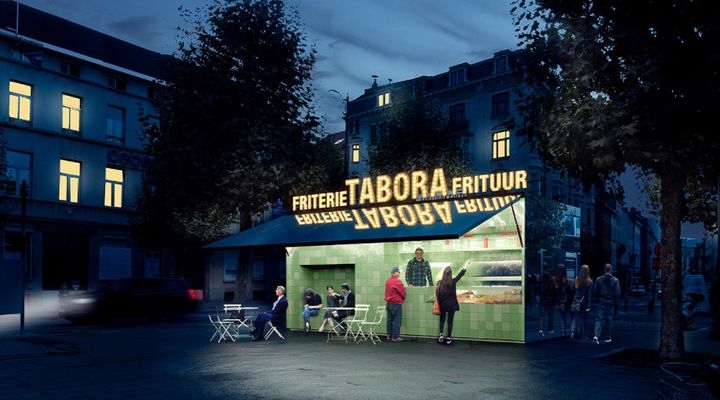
pixel 491 282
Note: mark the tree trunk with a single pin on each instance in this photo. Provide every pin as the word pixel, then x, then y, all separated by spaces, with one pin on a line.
pixel 243 268
pixel 672 345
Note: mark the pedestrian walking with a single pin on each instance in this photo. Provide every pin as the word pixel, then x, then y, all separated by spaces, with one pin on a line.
pixel 446 295
pixel 605 297
pixel 565 288
pixel 394 297
pixel 547 302
pixel 581 303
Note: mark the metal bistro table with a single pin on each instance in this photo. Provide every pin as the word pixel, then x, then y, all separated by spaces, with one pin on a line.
pixel 240 319
pixel 335 327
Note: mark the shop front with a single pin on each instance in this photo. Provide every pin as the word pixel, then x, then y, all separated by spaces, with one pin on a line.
pixel 360 244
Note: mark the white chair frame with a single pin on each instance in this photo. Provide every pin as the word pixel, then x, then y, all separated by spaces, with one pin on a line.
pixel 222 329
pixel 355 323
pixel 273 329
pixel 371 326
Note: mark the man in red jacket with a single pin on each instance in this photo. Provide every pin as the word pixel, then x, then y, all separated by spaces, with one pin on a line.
pixel 394 297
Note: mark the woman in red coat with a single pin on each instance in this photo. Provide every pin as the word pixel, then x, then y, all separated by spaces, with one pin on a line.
pixel 447 299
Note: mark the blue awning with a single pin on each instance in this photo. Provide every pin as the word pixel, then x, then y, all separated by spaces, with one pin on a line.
pixel 286 231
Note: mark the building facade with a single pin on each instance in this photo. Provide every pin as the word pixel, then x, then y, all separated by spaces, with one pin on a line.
pixel 477 99
pixel 71 107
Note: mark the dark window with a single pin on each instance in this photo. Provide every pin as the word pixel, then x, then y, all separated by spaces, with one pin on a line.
pixel 117 83
pixel 373 133
pixel 456 114
pixel 382 131
pixel 115 125
pixel 500 104
pixel 501 65
pixel 70 69
pixel 19 170
pixel 457 77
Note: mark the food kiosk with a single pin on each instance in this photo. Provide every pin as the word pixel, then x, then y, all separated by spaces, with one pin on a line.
pixel 477 223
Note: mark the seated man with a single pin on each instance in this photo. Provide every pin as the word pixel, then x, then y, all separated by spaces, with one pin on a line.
pixel 276 315
pixel 347 301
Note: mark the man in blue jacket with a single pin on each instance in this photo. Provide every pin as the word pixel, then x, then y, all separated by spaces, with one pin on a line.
pixel 276 315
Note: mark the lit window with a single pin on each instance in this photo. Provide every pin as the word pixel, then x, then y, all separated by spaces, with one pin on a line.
pixel 20 101
pixel 383 99
pixel 19 167
pixel 115 126
pixel 113 187
pixel 501 144
pixel 500 104
pixel 71 113
pixel 69 181
pixel 356 153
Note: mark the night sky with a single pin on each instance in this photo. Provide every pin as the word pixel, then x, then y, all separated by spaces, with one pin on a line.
pixel 395 39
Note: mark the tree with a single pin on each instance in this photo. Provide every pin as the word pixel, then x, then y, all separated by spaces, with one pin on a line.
pixel 617 83
pixel 545 224
pixel 236 128
pixel 418 137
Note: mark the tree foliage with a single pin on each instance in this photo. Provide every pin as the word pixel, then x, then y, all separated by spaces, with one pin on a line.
pixel 418 137
pixel 545 223
pixel 618 82
pixel 236 125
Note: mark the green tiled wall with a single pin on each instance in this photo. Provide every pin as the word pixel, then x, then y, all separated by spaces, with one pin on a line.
pixel 366 267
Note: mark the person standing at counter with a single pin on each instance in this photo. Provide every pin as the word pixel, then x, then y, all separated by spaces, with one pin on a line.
pixel 447 299
pixel 394 297
pixel 418 272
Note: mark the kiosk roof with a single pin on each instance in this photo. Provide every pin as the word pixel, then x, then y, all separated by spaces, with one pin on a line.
pixel 286 231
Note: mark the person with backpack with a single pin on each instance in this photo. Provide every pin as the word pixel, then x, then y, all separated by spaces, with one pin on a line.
pixel 581 302
pixel 564 288
pixel 605 298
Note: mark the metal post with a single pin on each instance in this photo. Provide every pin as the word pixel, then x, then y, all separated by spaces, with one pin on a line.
pixel 23 248
pixel 714 332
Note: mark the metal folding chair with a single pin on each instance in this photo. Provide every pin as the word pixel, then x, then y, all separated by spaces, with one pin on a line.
pixel 370 327
pixel 273 329
pixel 354 323
pixel 222 329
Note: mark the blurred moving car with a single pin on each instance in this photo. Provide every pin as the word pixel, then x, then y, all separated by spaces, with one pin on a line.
pixel 153 298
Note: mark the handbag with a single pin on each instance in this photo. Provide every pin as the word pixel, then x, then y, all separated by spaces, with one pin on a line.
pixel 436 305
pixel 575 307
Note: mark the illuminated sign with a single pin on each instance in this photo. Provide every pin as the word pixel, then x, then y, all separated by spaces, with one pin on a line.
pixel 408 199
